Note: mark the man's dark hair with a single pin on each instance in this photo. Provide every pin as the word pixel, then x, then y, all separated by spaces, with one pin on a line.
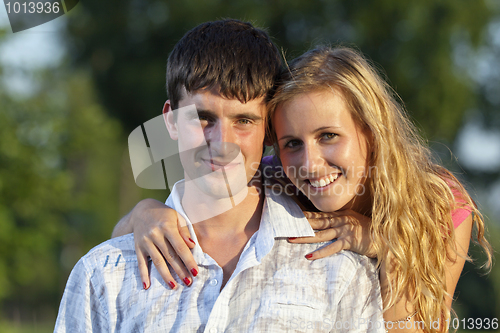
pixel 234 57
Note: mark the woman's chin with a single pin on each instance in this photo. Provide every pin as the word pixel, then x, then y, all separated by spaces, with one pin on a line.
pixel 326 204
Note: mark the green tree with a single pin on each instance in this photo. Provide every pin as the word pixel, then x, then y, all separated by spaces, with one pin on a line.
pixel 60 167
pixel 126 46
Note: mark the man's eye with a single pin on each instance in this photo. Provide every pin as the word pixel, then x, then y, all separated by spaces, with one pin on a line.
pixel 244 121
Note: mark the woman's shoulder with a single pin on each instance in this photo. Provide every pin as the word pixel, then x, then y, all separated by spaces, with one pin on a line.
pixel 462 208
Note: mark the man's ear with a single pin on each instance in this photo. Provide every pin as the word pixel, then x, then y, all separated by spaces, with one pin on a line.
pixel 168 116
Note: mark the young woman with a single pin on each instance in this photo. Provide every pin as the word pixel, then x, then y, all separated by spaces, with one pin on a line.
pixel 348 146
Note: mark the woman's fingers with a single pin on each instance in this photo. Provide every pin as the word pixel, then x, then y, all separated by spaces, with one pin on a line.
pixel 322 220
pixel 328 250
pixel 159 235
pixel 320 236
pixel 179 255
pixel 158 260
pixel 184 231
pixel 172 250
pixel 142 261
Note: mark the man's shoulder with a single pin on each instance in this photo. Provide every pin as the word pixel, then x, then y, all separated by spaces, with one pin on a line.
pixel 111 253
pixel 358 260
pixel 348 265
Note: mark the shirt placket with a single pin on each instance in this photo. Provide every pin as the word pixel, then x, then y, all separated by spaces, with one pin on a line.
pixel 219 316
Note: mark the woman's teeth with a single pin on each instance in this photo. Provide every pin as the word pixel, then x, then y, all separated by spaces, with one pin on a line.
pixel 324 181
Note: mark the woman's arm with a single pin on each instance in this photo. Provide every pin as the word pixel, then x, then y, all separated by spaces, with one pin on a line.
pixel 455 264
pixel 158 234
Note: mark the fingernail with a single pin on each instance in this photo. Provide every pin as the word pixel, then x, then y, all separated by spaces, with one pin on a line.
pixel 309 256
pixel 171 284
pixel 192 241
pixel 292 238
pixel 145 285
pixel 186 281
pixel 194 271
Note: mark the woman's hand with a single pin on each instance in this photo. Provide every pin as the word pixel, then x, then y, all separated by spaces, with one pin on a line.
pixel 158 234
pixel 351 229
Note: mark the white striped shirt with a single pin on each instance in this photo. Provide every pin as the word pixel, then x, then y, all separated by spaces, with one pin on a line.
pixel 273 288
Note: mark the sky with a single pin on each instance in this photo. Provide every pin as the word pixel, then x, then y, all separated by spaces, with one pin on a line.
pixel 39 47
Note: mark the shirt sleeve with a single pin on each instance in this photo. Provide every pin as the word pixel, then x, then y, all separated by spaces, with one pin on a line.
pixel 81 309
pixel 360 308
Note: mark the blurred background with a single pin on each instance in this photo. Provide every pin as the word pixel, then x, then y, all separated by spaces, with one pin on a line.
pixel 72 90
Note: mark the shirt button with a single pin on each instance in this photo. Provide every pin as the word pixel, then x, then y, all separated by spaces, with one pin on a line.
pixel 213 282
pixel 213 329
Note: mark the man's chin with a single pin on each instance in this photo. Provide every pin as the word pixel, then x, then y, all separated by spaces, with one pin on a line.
pixel 217 186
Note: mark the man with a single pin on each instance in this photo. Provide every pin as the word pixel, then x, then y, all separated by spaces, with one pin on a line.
pixel 250 278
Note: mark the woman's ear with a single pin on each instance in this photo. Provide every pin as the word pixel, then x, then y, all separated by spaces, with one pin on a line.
pixel 168 116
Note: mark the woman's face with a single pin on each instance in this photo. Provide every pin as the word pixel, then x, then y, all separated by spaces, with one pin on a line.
pixel 324 153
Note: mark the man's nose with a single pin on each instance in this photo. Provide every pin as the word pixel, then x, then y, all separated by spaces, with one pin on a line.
pixel 221 140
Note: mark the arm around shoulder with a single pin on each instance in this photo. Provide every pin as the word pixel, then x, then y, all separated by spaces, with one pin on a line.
pixel 136 215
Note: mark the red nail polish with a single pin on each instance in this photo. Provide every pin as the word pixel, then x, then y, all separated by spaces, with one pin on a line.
pixel 145 285
pixel 309 256
pixel 194 271
pixel 292 238
pixel 192 241
pixel 186 281
pixel 171 284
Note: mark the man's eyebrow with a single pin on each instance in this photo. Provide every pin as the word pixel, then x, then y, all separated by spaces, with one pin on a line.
pixel 247 115
pixel 204 112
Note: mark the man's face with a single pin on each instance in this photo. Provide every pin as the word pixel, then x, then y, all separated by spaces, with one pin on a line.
pixel 220 141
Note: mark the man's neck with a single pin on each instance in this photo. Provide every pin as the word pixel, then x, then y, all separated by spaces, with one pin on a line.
pixel 224 236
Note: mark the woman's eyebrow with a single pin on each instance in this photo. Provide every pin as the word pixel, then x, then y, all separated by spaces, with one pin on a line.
pixel 285 137
pixel 323 128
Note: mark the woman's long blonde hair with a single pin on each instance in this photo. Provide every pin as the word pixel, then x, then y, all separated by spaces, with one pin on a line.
pixel 412 196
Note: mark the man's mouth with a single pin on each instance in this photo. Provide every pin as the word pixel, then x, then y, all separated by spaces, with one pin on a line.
pixel 216 164
pixel 323 181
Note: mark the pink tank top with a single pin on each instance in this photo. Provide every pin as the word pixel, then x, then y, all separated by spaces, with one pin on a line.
pixel 460 214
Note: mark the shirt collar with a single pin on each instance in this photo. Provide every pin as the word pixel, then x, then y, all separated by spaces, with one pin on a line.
pixel 281 218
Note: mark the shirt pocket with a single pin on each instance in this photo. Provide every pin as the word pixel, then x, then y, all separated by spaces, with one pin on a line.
pixel 293 302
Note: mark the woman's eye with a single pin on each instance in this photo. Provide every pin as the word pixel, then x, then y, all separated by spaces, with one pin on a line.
pixel 328 136
pixel 292 144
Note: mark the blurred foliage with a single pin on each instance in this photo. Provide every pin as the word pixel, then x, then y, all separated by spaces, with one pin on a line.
pixel 126 46
pixel 65 175
pixel 58 186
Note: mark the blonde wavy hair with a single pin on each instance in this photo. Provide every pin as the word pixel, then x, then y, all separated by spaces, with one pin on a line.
pixel 413 197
